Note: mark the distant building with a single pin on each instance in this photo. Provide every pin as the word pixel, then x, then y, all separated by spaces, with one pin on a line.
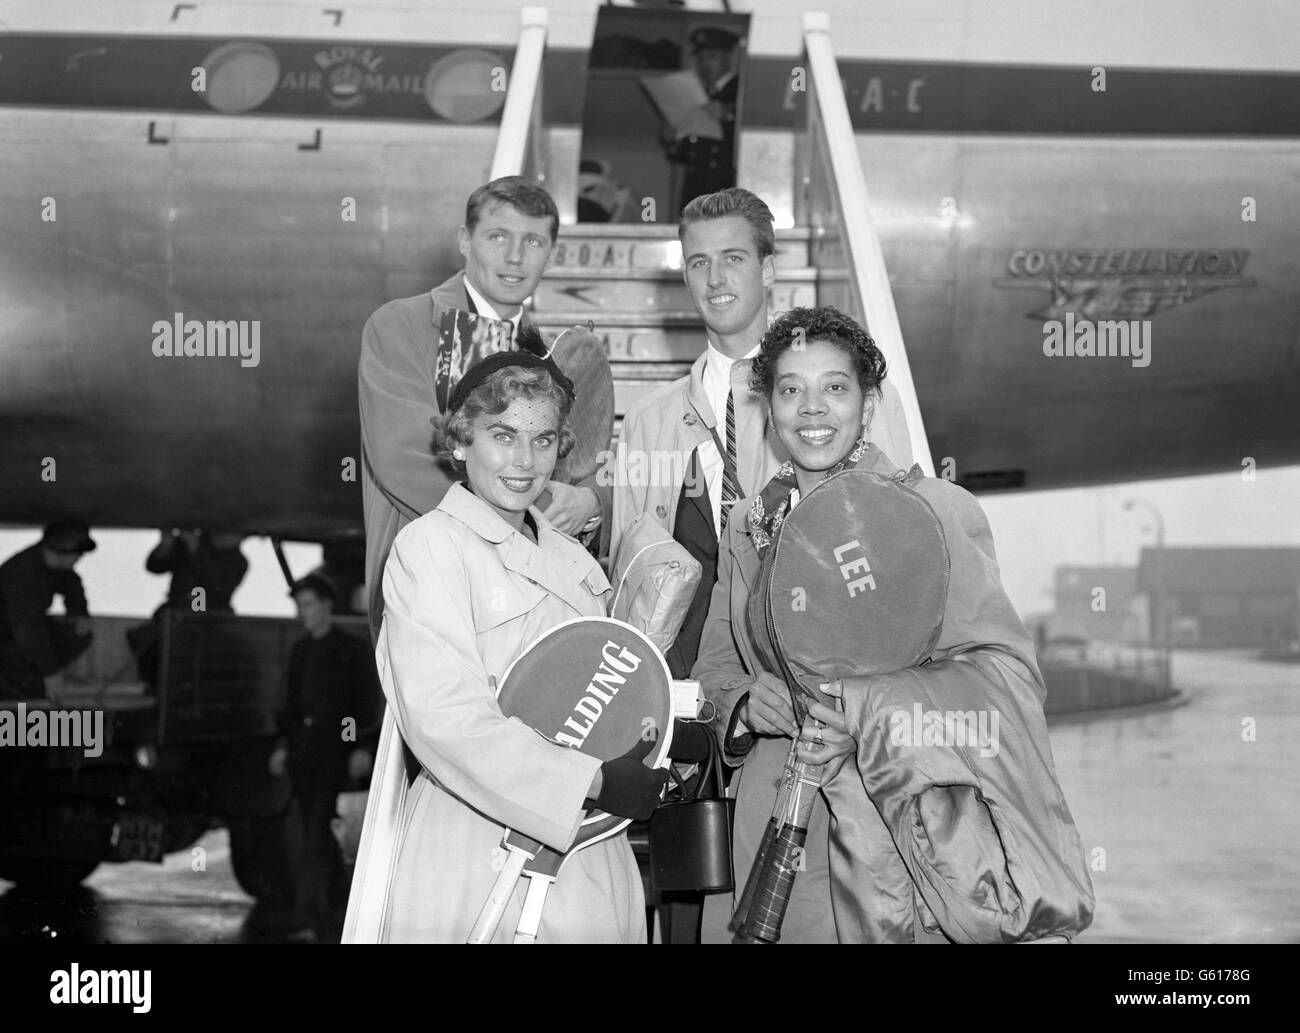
pixel 1223 595
pixel 1097 603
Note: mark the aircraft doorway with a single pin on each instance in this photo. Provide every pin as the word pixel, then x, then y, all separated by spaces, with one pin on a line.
pixel 662 112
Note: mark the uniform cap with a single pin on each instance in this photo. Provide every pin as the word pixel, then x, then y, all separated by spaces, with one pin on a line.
pixel 317 583
pixel 70 536
pixel 711 38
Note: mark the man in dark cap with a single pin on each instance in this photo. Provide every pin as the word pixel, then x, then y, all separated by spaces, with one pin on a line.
pixel 199 559
pixel 327 736
pixel 710 163
pixel 196 560
pixel 33 645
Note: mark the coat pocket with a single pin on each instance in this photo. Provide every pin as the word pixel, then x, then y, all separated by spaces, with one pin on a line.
pixel 597 584
pixel 496 606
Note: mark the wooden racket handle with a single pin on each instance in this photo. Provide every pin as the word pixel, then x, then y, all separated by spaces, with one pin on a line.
pixel 779 818
pixel 775 879
pixel 772 896
pixel 741 914
pixel 493 908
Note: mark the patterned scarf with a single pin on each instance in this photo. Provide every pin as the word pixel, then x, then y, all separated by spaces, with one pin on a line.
pixel 772 504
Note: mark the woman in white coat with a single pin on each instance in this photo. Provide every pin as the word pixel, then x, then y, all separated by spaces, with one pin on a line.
pixel 467 588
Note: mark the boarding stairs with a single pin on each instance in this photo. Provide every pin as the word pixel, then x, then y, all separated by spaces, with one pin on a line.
pixel 626 280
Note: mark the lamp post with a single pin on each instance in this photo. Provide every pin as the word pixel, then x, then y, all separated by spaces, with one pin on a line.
pixel 1160 620
pixel 1131 504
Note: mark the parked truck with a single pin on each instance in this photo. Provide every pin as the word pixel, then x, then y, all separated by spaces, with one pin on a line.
pixel 178 757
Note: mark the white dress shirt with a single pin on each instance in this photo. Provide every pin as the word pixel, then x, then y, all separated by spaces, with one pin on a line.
pixel 485 308
pixel 717 384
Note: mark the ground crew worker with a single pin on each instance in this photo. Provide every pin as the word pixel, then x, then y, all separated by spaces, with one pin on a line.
pixel 328 731
pixel 34 646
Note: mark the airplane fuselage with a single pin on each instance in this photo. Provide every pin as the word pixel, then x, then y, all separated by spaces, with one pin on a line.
pixel 135 208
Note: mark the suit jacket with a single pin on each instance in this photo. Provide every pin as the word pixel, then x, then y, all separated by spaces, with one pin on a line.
pixel 401 479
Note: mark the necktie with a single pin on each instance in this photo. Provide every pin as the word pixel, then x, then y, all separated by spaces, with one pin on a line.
pixel 730 487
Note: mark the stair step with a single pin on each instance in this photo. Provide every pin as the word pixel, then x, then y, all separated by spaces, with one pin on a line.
pixel 562 318
pixel 651 246
pixel 628 392
pixel 640 371
pixel 645 298
pixel 621 274
pixel 656 230
pixel 681 344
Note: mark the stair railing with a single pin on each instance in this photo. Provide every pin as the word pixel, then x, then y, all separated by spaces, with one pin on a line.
pixel 520 149
pixel 831 197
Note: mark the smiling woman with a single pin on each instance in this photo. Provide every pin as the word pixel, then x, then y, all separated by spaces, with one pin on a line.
pixel 900 863
pixel 467 587
pixel 508 432
pixel 822 374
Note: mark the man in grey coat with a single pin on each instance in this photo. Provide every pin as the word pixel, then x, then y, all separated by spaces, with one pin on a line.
pixel 509 233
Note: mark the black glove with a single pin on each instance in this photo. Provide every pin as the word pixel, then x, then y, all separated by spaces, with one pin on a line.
pixel 628 788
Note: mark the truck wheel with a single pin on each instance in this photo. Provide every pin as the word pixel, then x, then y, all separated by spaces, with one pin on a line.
pixel 259 859
pixel 40 873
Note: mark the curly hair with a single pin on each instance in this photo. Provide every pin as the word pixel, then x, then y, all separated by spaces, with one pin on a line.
pixel 807 325
pixel 494 396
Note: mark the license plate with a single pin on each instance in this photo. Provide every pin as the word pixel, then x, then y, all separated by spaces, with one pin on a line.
pixel 138 837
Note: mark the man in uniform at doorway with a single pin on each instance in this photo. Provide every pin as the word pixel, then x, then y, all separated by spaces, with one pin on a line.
pixel 710 163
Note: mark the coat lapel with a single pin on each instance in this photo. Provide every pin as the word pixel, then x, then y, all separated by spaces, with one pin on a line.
pixel 700 499
pixel 565 577
pixel 449 294
pixel 572 578
pixel 745 556
pixel 697 402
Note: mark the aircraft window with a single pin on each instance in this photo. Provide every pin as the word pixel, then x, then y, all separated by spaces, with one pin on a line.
pixel 459 86
pixel 240 76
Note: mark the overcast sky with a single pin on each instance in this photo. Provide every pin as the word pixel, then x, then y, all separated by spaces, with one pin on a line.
pixel 1034 531
pixel 1038 531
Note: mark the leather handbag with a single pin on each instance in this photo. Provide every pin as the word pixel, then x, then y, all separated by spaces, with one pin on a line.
pixel 690 838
